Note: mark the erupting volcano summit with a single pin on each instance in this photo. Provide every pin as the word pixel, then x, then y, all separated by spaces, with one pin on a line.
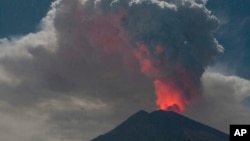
pixel 162 126
pixel 170 41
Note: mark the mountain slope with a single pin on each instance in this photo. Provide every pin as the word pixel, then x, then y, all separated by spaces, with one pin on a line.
pixel 162 126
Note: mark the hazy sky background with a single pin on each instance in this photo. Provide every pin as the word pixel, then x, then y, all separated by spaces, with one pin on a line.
pixel 47 92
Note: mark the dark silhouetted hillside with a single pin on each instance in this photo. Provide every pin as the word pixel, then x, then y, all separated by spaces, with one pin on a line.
pixel 162 126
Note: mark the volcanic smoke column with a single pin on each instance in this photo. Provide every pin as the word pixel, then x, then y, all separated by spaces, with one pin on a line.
pixel 171 40
pixel 174 43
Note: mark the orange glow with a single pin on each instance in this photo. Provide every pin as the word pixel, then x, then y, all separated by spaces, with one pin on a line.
pixel 110 44
pixel 169 97
pixel 108 41
pixel 149 66
pixel 143 55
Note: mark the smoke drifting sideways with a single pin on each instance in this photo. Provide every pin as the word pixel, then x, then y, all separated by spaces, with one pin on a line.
pixel 93 43
pixel 170 41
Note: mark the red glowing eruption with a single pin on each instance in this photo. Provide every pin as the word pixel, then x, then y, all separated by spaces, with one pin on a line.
pixel 108 38
pixel 169 97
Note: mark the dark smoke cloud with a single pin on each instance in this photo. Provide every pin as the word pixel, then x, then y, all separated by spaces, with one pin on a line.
pixel 184 31
pixel 75 83
pixel 184 28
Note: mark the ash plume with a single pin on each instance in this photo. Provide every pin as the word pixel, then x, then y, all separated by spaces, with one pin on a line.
pixel 172 41
pixel 106 43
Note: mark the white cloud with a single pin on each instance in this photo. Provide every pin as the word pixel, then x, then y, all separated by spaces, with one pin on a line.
pixel 221 103
pixel 23 124
pixel 74 104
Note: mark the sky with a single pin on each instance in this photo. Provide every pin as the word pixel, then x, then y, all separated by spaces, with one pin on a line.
pixel 60 79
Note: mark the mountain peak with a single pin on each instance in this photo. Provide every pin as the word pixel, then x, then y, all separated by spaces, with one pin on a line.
pixel 141 112
pixel 161 126
pixel 165 113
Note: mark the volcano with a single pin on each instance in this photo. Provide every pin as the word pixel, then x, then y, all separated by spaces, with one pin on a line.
pixel 162 126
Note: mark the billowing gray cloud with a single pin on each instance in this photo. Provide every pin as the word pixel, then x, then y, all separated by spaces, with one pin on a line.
pixel 79 75
pixel 222 103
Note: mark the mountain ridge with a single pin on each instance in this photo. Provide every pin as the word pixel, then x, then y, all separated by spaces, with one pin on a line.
pixel 162 126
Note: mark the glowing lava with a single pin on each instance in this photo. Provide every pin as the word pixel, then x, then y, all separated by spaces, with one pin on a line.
pixel 169 97
pixel 111 45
